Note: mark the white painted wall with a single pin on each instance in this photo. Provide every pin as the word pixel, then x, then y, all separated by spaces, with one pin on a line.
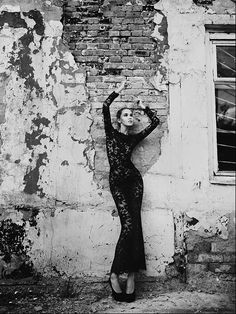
pixel 77 232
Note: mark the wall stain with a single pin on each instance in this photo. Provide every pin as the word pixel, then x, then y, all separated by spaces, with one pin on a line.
pixel 29 214
pixel 34 138
pixel 203 2
pixel 21 61
pixel 32 177
pixel 65 163
pixel 78 110
pixel 38 18
pixel 20 58
pixel 41 120
pixel 190 221
pixel 177 269
pixel 11 239
pixel 13 19
pixel 14 262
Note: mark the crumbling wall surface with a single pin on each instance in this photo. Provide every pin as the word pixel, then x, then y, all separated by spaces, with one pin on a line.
pixel 46 146
pixel 203 212
pixel 55 201
pixel 42 88
pixel 59 61
pixel 113 40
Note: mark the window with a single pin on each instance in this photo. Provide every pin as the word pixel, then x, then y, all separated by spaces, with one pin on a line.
pixel 222 47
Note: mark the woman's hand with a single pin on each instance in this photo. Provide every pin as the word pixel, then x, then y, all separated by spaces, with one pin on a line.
pixel 123 85
pixel 140 103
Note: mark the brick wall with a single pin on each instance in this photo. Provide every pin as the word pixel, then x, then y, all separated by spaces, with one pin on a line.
pixel 212 253
pixel 111 40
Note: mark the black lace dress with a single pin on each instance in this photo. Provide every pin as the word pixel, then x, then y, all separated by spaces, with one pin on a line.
pixel 126 186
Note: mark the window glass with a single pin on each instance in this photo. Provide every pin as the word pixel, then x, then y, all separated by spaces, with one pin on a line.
pixel 226 126
pixel 225 61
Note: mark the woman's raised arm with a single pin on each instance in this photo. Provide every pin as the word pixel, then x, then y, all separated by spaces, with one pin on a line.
pixel 106 111
pixel 106 105
pixel 154 122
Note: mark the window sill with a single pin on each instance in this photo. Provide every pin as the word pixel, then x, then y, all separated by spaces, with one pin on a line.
pixel 223 178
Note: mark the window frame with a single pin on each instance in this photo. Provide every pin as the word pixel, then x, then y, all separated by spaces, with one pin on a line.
pixel 214 38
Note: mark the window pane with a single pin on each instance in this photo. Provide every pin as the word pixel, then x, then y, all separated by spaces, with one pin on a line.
pixel 225 61
pixel 226 127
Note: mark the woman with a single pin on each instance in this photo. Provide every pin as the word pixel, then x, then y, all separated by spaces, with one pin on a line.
pixel 126 186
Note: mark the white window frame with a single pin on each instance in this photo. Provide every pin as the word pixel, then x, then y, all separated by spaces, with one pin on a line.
pixel 213 38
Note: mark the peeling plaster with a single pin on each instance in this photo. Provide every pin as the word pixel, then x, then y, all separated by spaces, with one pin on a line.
pixel 55 80
pixel 159 80
pixel 32 176
pixel 203 2
pixel 211 226
pixel 47 150
pixel 14 244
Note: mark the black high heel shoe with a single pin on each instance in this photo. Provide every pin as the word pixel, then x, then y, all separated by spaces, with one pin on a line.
pixel 118 296
pixel 130 297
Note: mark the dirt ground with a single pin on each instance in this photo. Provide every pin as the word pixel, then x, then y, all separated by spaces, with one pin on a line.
pixel 92 295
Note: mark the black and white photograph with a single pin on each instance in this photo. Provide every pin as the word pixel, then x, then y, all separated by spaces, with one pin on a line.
pixel 117 156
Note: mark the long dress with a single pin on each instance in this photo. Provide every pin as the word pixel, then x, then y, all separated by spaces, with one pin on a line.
pixel 126 187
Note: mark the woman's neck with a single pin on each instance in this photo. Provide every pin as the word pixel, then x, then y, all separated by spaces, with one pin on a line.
pixel 123 129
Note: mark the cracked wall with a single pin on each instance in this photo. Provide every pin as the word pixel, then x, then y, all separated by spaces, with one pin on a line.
pixel 51 139
pixel 184 165
pixel 46 147
pixel 45 110
pixel 112 40
pixel 59 61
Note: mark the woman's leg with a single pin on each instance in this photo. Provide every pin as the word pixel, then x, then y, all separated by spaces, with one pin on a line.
pixel 123 261
pixel 115 283
pixel 135 202
pixel 130 285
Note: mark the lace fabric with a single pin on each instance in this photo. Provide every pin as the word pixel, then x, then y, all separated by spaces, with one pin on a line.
pixel 126 187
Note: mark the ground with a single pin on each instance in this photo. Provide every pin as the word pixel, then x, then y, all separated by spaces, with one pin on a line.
pixel 92 295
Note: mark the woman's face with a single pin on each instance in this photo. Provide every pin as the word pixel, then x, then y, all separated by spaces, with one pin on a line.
pixel 126 118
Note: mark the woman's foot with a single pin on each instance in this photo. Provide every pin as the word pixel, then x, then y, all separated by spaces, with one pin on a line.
pixel 114 279
pixel 117 293
pixel 130 285
pixel 130 288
